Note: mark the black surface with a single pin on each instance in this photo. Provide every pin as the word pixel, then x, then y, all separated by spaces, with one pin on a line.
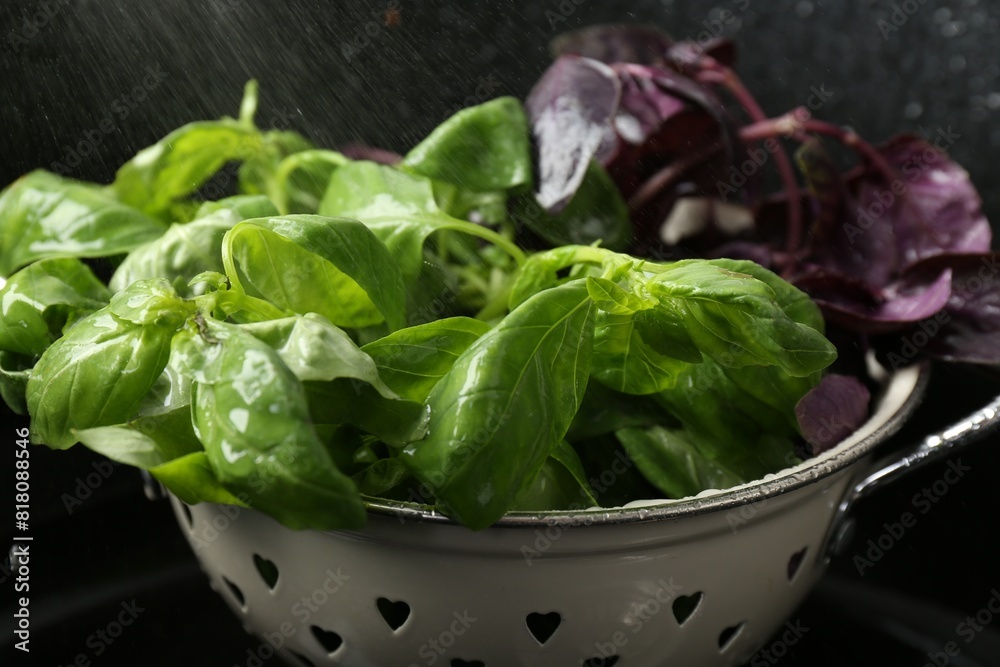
pixel 60 79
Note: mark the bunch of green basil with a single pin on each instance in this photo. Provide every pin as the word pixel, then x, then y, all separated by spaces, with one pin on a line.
pixel 344 329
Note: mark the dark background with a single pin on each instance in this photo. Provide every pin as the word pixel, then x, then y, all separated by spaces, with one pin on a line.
pixel 68 65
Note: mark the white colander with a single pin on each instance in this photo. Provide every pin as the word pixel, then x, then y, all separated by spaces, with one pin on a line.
pixel 699 582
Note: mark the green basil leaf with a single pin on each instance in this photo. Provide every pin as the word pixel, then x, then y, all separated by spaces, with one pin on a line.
pixel 171 391
pixel 540 271
pixel 146 442
pixel 100 371
pixel 666 334
pixel 45 215
pixel 412 360
pixel 259 172
pixel 237 208
pixel 316 350
pixel 302 178
pixel 192 479
pixel 625 362
pixel 189 249
pixel 605 411
pixel 151 302
pixel 614 299
pixel 481 148
pixel 776 389
pixel 505 405
pixel 15 370
pixel 795 303
pixel 251 416
pixel 671 460
pixel 561 484
pixel 401 209
pixel 596 212
pixel 731 424
pixel 335 267
pixel 42 299
pixel 180 163
pixel 735 319
pixel 614 478
pixel 365 190
pixel 381 476
pixel 479 207
pixel 394 421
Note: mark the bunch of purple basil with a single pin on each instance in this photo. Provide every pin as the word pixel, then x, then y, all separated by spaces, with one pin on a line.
pixel 896 250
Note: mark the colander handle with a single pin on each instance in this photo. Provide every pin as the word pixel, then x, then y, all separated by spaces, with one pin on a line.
pixel 975 426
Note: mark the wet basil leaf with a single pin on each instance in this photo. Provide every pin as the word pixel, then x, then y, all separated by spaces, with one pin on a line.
pixel 412 360
pixel 192 479
pixel 671 460
pixel 505 405
pixel 318 351
pixel 43 298
pixel 100 371
pixel 401 209
pixel 561 484
pixel 734 318
pixel 251 416
pixel 176 166
pixel 188 249
pixel 161 175
pixel 44 215
pixel 331 266
pixel 381 477
pixel 259 172
pixel 302 178
pixel 15 370
pixel 626 362
pixel 571 109
pixel 730 424
pixel 394 421
pixel 146 442
pixel 482 148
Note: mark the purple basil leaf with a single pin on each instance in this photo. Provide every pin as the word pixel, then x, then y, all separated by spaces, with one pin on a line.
pixel 570 109
pixel 968 328
pixel 664 118
pixel 626 43
pixel 831 411
pixel 652 96
pixel 645 107
pixel 859 306
pixel 849 235
pixel 941 210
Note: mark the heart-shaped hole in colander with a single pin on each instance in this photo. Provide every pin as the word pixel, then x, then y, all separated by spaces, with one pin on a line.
pixel 727 636
pixel 795 562
pixel 329 640
pixel 543 626
pixel 235 590
pixel 394 613
pixel 267 570
pixel 685 605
